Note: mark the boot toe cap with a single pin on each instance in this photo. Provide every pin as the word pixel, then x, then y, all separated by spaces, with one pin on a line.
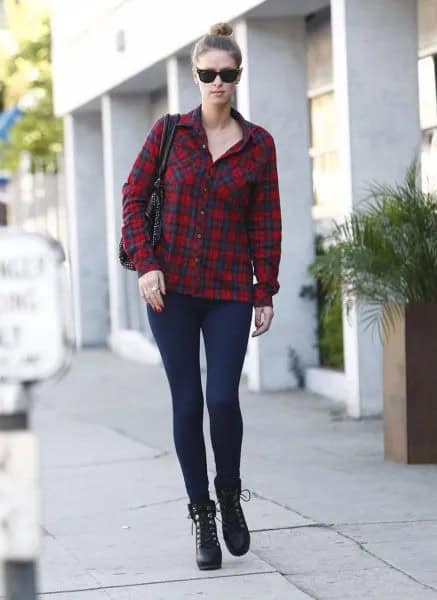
pixel 209 558
pixel 238 542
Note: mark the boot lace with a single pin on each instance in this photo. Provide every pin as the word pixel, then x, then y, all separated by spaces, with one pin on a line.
pixel 203 520
pixel 230 508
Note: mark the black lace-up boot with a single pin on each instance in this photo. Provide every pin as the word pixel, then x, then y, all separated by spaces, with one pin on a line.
pixel 235 531
pixel 208 551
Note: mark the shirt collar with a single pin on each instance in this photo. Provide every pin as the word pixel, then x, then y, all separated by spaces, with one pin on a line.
pixel 193 119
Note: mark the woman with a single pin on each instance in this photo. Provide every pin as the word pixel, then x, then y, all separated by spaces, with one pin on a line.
pixel 221 223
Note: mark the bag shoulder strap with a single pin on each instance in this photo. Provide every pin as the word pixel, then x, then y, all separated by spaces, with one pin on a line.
pixel 170 122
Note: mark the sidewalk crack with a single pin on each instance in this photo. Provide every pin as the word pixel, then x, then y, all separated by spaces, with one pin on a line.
pixel 394 522
pixel 106 588
pixel 301 587
pixel 348 537
pixel 282 505
pixel 286 576
pixel 160 451
pixel 102 463
pixel 287 527
pixel 333 527
pixel 170 501
pixel 385 562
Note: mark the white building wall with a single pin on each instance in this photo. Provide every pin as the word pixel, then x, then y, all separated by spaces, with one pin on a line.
pixel 319 51
pixel 183 93
pixel 375 76
pixel 275 52
pixel 87 216
pixel 125 119
pixel 158 104
pixel 87 62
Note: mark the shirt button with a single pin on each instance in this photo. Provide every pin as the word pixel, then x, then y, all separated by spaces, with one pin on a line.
pixel 199 235
pixel 205 189
pixel 204 146
pixel 197 259
pixel 202 212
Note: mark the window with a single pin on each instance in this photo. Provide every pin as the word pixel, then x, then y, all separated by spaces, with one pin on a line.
pixel 428 92
pixel 3 22
pixel 323 152
pixel 428 120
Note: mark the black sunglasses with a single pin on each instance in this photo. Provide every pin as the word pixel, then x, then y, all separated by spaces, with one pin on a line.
pixel 226 75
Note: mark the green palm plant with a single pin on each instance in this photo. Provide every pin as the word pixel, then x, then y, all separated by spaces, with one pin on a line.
pixel 384 255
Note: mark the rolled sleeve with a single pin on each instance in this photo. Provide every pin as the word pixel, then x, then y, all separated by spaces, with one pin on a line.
pixel 135 195
pixel 265 230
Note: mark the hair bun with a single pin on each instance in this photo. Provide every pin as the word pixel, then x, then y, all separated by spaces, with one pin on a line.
pixel 220 29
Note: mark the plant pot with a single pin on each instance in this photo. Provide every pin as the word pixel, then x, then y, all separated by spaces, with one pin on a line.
pixel 410 387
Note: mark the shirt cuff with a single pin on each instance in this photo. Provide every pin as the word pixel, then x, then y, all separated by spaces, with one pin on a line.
pixel 262 297
pixel 145 268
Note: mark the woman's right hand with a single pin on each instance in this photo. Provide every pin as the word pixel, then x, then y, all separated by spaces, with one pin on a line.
pixel 151 286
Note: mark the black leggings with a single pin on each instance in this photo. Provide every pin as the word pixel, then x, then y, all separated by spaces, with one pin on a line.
pixel 225 325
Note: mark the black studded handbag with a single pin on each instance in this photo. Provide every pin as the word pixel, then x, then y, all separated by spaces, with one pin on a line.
pixel 154 205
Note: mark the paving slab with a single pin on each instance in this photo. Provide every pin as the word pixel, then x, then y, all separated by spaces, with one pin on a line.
pixel 363 584
pixel 409 547
pixel 65 441
pixel 327 565
pixel 310 550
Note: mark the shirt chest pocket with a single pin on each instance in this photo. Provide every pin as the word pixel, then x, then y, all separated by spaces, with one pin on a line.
pixel 182 164
pixel 234 188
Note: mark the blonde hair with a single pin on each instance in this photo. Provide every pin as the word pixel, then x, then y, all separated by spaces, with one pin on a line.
pixel 219 37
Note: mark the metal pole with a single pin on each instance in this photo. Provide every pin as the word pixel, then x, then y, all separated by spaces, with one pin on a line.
pixel 20 576
pixel 20 580
pixel 3 213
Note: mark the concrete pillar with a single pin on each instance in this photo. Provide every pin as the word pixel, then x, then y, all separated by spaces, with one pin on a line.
pixel 272 93
pixel 375 78
pixel 86 215
pixel 183 94
pixel 125 122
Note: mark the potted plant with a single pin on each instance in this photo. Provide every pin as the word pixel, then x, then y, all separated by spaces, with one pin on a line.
pixel 384 256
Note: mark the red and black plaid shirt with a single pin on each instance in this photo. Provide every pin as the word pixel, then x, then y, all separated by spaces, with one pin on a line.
pixel 221 221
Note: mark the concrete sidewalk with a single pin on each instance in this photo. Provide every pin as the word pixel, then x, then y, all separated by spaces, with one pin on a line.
pixel 329 518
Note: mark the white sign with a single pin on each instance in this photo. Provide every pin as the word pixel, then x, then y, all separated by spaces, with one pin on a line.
pixel 31 315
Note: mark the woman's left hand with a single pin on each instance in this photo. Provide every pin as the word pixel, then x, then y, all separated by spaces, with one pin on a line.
pixel 263 319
